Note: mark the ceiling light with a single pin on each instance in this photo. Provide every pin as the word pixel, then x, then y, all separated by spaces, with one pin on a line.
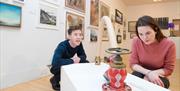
pixel 157 0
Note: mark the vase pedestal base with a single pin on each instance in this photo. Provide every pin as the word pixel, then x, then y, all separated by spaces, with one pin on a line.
pixel 107 87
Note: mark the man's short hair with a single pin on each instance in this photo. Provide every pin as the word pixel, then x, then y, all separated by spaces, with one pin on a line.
pixel 73 28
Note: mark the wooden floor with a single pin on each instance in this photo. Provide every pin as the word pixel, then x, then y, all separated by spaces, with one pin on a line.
pixel 42 84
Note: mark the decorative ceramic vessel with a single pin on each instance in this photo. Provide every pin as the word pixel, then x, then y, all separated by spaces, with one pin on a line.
pixel 116 74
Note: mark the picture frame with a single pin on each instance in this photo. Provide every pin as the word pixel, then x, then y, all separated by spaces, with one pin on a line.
pixel 119 39
pixel 118 16
pixel 162 22
pixel 93 35
pixel 132 35
pixel 10 15
pixel 124 34
pixel 74 20
pixel 48 16
pixel 78 5
pixel 94 13
pixel 104 9
pixel 105 34
pixel 131 26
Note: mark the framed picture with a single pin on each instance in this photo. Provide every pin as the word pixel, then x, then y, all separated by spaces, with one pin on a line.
pixel 94 13
pixel 162 22
pixel 93 35
pixel 105 35
pixel 124 34
pixel 132 35
pixel 78 5
pixel 119 38
pixel 10 15
pixel 74 20
pixel 48 16
pixel 104 10
pixel 118 16
pixel 131 26
pixel 19 1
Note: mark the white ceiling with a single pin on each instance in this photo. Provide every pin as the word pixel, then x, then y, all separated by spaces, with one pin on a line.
pixel 141 2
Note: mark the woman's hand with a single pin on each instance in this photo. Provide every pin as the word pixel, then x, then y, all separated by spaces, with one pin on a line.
pixel 154 77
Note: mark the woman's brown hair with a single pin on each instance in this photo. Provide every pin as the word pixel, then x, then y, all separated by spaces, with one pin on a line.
pixel 149 21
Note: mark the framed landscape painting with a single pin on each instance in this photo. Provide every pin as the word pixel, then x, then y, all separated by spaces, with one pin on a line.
pixel 74 20
pixel 10 15
pixel 78 5
pixel 48 16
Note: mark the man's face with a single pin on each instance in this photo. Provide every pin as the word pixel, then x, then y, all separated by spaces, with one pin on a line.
pixel 75 37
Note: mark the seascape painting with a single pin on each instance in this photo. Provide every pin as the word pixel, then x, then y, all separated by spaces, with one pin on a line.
pixel 10 15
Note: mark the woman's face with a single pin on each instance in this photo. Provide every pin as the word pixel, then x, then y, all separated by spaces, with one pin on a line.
pixel 146 34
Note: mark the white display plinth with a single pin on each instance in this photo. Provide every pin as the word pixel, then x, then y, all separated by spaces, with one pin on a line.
pixel 89 77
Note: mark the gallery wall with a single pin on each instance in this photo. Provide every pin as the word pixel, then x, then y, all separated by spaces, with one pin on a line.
pixel 26 51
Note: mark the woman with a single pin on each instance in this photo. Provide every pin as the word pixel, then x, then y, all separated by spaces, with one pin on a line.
pixel 153 55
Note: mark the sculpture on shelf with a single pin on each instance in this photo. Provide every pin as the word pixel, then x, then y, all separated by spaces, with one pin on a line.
pixel 116 74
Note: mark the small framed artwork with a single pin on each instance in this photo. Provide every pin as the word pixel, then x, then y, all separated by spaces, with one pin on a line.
pixel 104 10
pixel 93 35
pixel 94 13
pixel 10 15
pixel 118 16
pixel 78 5
pixel 48 16
pixel 105 35
pixel 132 35
pixel 119 39
pixel 74 20
pixel 124 34
pixel 131 26
pixel 19 1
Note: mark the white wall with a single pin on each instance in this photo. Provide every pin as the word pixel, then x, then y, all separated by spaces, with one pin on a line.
pixel 25 51
pixel 169 9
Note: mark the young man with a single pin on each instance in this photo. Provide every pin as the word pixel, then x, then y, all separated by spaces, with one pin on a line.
pixel 67 52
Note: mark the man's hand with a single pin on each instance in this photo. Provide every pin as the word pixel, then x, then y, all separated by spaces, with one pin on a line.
pixel 76 59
